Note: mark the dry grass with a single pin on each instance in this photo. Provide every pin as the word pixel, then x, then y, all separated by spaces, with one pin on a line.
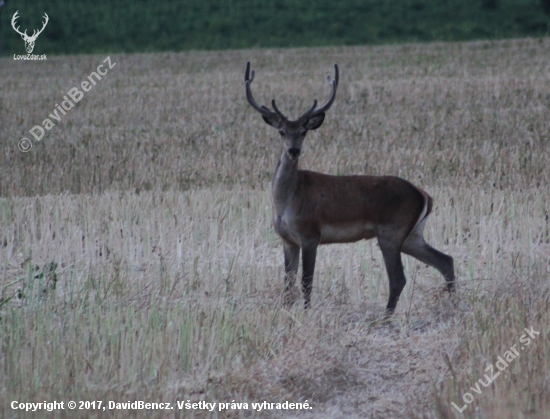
pixel 138 260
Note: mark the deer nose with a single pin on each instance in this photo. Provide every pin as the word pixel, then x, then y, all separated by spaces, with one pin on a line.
pixel 294 152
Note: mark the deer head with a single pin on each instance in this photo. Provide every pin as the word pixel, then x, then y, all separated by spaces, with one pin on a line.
pixel 292 132
pixel 29 40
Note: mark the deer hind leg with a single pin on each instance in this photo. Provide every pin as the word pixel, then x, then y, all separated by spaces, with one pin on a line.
pixel 416 246
pixel 391 251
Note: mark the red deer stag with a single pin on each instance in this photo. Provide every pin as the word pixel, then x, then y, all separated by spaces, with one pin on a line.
pixel 312 208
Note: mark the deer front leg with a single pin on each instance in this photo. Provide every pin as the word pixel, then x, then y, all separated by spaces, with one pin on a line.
pixel 292 259
pixel 309 254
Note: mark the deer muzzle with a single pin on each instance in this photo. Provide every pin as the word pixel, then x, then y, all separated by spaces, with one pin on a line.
pixel 294 152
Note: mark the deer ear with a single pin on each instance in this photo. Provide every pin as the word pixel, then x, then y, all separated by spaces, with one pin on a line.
pixel 315 122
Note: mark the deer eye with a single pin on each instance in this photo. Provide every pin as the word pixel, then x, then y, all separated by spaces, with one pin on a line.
pixel 282 133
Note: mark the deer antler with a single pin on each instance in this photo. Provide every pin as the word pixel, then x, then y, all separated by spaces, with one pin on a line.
pixel 13 19
pixel 334 84
pixel 24 34
pixel 248 78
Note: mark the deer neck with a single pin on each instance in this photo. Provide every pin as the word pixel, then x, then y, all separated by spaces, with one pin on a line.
pixel 285 182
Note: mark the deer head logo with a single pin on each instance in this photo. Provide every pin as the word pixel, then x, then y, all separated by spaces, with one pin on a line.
pixel 29 40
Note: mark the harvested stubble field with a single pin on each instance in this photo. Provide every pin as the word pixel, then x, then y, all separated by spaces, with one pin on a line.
pixel 139 263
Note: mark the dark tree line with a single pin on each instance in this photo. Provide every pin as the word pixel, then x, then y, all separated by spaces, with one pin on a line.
pixel 90 26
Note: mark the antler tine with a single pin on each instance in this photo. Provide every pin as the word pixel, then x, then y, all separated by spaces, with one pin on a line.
pixel 330 101
pixel 248 78
pixel 309 111
pixel 281 115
